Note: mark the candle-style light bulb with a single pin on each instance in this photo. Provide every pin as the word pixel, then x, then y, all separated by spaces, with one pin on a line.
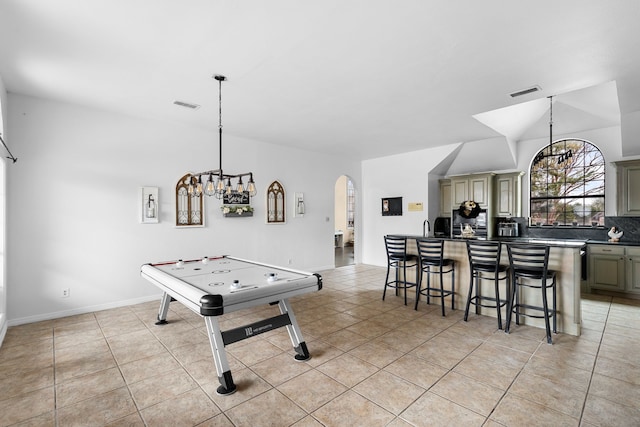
pixel 251 187
pixel 190 188
pixel 210 188
pixel 199 186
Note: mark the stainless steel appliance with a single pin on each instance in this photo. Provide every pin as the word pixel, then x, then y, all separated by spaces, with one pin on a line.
pixel 478 224
pixel 508 229
pixel 442 227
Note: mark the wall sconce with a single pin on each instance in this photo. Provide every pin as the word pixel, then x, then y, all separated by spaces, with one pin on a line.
pixel 299 208
pixel 149 205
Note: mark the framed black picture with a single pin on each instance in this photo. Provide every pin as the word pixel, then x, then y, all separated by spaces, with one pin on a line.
pixel 391 206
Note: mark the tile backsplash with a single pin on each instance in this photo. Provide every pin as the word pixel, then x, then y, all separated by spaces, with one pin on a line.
pixel 630 225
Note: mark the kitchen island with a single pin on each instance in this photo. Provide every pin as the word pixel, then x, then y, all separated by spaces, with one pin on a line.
pixel 565 257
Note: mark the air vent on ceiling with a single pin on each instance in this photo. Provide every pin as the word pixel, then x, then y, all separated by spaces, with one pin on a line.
pixel 186 105
pixel 525 91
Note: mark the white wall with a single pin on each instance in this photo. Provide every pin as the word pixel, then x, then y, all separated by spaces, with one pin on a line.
pixel 73 205
pixel 405 175
pixel 3 223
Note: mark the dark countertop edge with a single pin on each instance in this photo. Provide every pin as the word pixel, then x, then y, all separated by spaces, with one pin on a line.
pixel 551 241
pixel 606 242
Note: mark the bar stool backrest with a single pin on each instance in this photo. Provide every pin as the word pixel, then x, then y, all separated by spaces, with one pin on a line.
pixel 527 258
pixel 396 247
pixel 484 253
pixel 430 251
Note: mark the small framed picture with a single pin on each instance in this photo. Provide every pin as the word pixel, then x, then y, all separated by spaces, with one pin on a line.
pixel 392 206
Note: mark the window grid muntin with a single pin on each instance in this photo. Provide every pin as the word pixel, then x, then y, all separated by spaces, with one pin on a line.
pixel 558 192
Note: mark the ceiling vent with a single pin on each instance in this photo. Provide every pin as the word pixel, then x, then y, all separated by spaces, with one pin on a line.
pixel 525 91
pixel 186 105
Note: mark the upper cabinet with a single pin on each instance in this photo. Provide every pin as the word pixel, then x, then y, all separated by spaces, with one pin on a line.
pixel 628 187
pixel 508 194
pixel 477 187
pixel 500 195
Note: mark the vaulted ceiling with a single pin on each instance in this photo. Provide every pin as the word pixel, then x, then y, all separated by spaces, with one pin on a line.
pixel 364 78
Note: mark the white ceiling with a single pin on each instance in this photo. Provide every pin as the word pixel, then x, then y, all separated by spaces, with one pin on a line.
pixel 362 78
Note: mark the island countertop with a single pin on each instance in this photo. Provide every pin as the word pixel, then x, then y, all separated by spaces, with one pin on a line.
pixel 578 243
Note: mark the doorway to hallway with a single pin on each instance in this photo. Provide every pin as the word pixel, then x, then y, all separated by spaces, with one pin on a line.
pixel 344 222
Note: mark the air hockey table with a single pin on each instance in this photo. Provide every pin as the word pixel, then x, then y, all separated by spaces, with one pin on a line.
pixel 214 286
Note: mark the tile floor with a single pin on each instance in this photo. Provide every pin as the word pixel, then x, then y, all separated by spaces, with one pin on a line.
pixel 344 256
pixel 374 363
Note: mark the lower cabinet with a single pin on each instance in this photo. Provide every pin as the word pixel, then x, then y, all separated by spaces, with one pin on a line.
pixel 633 269
pixel 614 268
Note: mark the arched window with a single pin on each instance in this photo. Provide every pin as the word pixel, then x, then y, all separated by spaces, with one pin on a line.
pixel 567 190
pixel 188 205
pixel 275 203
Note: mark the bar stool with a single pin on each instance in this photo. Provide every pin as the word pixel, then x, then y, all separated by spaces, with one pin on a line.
pixel 431 254
pixel 529 264
pixel 484 264
pixel 398 259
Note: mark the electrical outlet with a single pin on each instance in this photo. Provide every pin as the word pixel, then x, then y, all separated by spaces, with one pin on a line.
pixel 65 293
pixel 290 261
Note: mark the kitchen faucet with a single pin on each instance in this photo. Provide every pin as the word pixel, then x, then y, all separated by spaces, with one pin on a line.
pixel 426 228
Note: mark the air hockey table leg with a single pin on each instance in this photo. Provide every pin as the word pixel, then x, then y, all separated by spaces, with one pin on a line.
pixel 164 309
pixel 294 332
pixel 219 356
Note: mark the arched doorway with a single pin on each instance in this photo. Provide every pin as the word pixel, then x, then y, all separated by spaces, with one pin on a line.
pixel 344 221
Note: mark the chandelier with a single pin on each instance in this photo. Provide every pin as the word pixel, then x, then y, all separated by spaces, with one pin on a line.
pixel 561 157
pixel 11 156
pixel 215 182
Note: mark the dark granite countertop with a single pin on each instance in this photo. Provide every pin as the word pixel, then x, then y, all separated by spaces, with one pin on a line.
pixel 551 242
pixel 606 242
pixel 541 240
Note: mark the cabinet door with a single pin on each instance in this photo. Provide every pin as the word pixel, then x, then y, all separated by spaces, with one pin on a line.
pixel 445 198
pixel 607 272
pixel 633 269
pixel 459 191
pixel 629 188
pixel 479 191
pixel 504 196
pixel 508 199
pixel 633 274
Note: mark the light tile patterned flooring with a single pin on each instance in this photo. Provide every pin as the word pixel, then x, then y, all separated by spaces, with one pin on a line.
pixel 374 363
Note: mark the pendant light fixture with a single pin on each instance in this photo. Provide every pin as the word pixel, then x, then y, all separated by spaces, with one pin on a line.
pixel 11 156
pixel 562 157
pixel 215 182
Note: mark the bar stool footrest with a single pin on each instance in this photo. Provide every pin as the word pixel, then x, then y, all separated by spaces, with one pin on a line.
pixel 531 307
pixel 477 301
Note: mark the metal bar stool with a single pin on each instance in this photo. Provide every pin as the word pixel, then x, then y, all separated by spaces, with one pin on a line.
pixel 432 261
pixel 398 259
pixel 484 264
pixel 529 264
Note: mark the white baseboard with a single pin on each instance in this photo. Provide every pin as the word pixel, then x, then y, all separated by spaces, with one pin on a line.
pixel 326 267
pixel 80 310
pixel 89 309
